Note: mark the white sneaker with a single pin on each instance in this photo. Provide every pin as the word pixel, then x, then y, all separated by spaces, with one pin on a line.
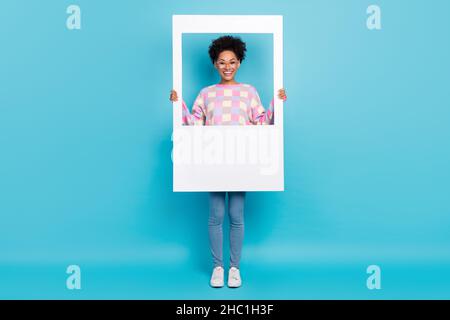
pixel 234 278
pixel 217 277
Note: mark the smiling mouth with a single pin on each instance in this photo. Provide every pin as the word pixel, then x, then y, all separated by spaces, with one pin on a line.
pixel 227 73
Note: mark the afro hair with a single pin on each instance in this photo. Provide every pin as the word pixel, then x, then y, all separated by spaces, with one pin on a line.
pixel 230 43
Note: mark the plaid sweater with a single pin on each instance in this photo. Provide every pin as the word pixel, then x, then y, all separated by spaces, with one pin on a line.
pixel 228 104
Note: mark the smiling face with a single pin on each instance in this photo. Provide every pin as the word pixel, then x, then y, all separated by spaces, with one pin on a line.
pixel 227 65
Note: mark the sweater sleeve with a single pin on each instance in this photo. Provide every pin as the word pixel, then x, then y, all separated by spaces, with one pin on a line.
pixel 197 117
pixel 259 115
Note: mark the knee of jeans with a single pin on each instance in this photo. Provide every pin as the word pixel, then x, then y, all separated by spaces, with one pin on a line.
pixel 215 218
pixel 237 217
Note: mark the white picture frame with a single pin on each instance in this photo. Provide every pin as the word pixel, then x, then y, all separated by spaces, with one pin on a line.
pixel 220 157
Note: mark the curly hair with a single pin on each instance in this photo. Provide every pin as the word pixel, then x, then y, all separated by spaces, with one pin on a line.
pixel 224 43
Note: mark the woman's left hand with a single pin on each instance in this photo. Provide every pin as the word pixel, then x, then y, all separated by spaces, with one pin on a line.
pixel 282 94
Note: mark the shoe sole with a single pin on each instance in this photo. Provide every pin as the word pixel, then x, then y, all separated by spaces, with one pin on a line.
pixel 235 286
pixel 216 286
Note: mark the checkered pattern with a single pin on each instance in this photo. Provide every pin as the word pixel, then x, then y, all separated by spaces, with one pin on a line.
pixel 231 104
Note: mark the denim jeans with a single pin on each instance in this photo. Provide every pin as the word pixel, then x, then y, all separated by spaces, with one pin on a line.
pixel 215 223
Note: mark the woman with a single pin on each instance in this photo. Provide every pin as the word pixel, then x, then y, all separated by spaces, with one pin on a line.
pixel 227 103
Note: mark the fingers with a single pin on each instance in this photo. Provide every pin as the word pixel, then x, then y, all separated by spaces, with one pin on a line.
pixel 173 96
pixel 282 94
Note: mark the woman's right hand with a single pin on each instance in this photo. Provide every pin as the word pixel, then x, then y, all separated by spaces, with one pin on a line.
pixel 173 96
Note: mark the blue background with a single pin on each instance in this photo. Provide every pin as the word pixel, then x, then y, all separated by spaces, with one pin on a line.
pixel 86 175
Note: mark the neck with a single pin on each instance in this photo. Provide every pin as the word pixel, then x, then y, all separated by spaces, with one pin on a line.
pixel 232 81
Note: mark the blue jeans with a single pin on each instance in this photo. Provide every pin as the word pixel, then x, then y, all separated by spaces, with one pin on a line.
pixel 215 222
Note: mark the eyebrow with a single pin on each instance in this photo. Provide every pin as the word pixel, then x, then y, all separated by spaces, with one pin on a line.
pixel 232 59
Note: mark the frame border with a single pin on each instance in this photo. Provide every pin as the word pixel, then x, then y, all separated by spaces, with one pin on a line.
pixel 271 24
pixel 227 24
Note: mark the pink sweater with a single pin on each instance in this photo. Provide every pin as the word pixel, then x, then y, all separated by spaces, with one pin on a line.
pixel 228 104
